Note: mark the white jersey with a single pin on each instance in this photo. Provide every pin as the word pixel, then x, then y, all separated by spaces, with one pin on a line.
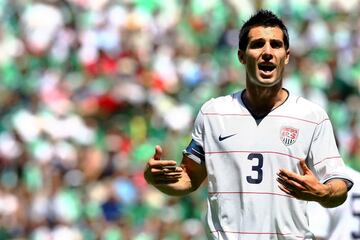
pixel 342 222
pixel 243 155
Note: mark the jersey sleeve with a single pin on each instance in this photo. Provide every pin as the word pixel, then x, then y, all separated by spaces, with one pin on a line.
pixel 195 149
pixel 325 156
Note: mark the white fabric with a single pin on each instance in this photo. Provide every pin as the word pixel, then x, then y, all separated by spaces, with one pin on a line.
pixel 342 222
pixel 244 200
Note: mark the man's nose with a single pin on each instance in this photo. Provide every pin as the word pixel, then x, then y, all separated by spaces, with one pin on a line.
pixel 267 53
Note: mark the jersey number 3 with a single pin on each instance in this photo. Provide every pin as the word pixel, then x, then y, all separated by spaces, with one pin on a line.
pixel 258 160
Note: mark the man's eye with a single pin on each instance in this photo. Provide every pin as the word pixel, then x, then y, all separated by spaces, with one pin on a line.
pixel 276 44
pixel 256 44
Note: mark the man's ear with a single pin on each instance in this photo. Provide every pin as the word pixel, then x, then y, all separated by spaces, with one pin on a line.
pixel 241 56
pixel 287 56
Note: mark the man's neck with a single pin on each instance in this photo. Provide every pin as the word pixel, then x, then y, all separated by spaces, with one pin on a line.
pixel 260 101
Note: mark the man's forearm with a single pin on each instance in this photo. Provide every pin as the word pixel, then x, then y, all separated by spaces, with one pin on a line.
pixel 336 195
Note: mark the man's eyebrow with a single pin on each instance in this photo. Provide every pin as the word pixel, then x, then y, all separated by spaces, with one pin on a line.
pixel 273 40
pixel 277 40
pixel 257 40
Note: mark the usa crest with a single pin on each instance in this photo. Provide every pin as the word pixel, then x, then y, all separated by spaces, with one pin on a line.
pixel 288 135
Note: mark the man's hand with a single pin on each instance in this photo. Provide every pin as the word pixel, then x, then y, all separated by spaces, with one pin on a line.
pixel 158 172
pixel 307 187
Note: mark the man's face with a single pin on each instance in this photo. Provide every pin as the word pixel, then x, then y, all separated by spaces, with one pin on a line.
pixel 265 56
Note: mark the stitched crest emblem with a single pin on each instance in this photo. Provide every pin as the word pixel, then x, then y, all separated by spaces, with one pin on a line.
pixel 288 135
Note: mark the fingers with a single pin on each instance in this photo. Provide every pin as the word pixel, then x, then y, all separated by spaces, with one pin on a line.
pixel 290 184
pixel 306 170
pixel 163 164
pixel 157 164
pixel 290 189
pixel 164 181
pixel 158 152
pixel 301 186
pixel 166 176
pixel 162 171
pixel 166 171
pixel 303 165
pixel 288 175
pixel 285 190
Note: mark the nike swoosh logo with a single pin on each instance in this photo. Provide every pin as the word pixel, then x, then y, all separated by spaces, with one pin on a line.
pixel 225 137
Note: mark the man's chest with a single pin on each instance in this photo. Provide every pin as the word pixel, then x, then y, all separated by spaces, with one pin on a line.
pixel 274 132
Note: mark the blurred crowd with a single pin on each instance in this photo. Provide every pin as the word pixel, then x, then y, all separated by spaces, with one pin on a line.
pixel 89 87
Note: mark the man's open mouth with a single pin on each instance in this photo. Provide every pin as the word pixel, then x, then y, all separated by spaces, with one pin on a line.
pixel 267 68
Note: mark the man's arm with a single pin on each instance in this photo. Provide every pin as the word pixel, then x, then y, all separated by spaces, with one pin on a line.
pixel 307 187
pixel 171 179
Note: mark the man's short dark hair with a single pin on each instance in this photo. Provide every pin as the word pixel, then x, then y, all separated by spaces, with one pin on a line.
pixel 262 18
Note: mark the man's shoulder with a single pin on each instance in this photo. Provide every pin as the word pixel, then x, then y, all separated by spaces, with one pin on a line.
pixel 306 104
pixel 301 101
pixel 304 108
pixel 226 98
pixel 220 104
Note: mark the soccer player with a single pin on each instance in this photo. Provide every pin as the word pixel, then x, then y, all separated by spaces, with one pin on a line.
pixel 342 222
pixel 264 151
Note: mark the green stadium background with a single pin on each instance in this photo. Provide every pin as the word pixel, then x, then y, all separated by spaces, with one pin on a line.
pixel 89 87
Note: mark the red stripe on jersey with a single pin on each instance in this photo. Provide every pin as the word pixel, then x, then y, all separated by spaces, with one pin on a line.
pixel 328 158
pixel 226 114
pixel 260 193
pixel 255 233
pixel 326 119
pixel 268 116
pixel 300 119
pixel 238 151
